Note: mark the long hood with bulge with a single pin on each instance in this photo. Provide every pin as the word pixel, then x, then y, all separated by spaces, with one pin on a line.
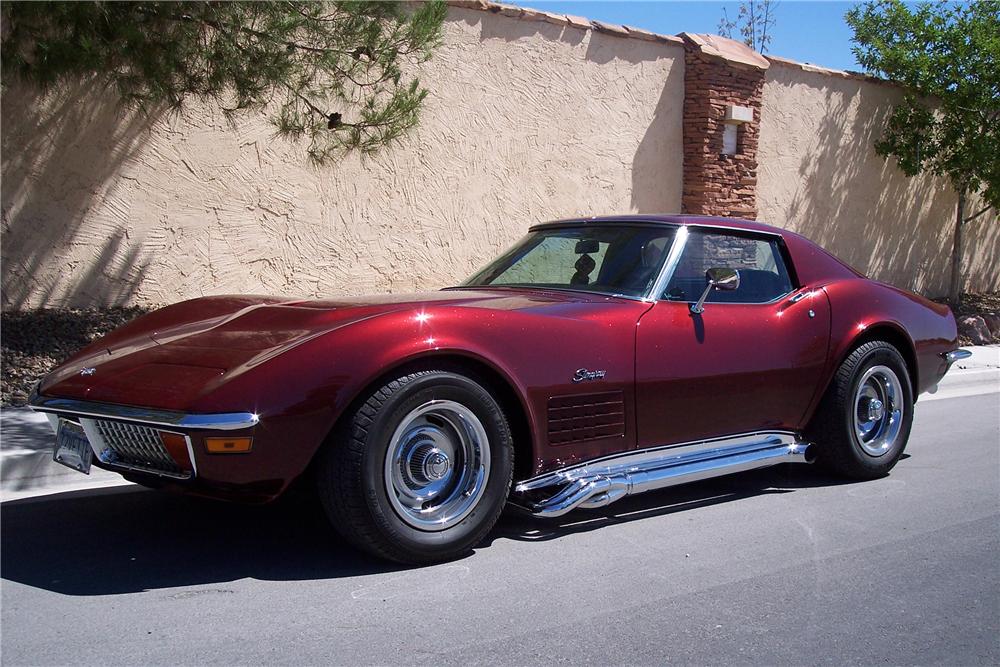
pixel 173 356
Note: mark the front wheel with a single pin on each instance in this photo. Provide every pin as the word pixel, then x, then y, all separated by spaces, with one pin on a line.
pixel 863 422
pixel 422 470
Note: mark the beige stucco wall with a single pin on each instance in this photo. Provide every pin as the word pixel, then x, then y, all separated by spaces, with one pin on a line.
pixel 819 175
pixel 526 121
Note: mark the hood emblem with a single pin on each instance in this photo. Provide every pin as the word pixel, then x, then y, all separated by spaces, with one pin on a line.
pixel 88 371
pixel 583 374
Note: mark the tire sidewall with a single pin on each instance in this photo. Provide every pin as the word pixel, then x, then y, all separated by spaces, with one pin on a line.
pixel 880 356
pixel 437 385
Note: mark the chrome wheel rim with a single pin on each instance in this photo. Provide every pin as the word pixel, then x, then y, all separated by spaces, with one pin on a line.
pixel 437 465
pixel 878 410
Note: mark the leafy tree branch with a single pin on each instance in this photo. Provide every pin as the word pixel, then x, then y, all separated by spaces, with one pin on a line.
pixel 947 57
pixel 330 73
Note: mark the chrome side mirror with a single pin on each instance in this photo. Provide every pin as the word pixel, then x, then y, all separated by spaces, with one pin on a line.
pixel 718 278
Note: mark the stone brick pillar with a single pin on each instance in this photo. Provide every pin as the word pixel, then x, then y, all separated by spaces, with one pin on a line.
pixel 721 75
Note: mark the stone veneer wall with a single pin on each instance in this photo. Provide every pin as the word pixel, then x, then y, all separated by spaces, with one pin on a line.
pixel 714 78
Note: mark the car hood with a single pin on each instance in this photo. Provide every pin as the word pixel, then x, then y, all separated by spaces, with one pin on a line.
pixel 174 355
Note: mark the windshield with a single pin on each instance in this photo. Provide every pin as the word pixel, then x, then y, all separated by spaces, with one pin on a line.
pixel 608 259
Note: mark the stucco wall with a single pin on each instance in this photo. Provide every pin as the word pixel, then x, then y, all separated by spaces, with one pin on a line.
pixel 819 175
pixel 526 121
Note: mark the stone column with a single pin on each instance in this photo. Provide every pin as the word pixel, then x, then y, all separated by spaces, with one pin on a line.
pixel 723 81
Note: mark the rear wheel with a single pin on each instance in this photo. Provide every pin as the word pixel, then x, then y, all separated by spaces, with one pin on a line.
pixel 863 422
pixel 421 471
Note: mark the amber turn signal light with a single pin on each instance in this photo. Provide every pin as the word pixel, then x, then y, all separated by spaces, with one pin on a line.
pixel 228 445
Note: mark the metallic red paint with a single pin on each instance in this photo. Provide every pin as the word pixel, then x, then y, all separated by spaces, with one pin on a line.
pixel 300 365
pixel 745 367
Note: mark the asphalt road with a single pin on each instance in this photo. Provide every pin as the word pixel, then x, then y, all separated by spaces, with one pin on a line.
pixel 773 567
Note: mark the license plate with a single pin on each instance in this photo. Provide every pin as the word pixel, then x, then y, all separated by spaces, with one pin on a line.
pixel 72 447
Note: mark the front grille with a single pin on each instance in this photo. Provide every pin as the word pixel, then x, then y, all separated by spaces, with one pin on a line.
pixel 580 417
pixel 137 447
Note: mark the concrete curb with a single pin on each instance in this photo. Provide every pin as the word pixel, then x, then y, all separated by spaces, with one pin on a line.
pixel 27 469
pixel 26 465
pixel 983 357
pixel 979 374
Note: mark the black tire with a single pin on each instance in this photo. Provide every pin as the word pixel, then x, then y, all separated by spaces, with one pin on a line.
pixel 840 448
pixel 352 473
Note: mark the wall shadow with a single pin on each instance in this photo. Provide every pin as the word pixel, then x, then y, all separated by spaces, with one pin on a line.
pixel 494 25
pixel 858 205
pixel 602 48
pixel 605 47
pixel 63 152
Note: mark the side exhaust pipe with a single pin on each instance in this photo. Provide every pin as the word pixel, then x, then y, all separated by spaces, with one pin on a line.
pixel 603 481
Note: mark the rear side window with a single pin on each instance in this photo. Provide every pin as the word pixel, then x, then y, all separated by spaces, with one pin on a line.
pixel 763 274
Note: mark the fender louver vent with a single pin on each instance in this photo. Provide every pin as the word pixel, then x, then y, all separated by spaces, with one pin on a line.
pixel 586 417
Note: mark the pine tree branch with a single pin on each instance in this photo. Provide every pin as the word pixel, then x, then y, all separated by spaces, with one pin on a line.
pixel 305 100
pixel 976 215
pixel 239 56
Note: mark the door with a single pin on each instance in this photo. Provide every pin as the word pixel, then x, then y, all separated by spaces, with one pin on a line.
pixel 750 361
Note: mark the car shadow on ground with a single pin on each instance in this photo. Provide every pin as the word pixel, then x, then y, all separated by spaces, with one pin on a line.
pixel 129 539
pixel 786 478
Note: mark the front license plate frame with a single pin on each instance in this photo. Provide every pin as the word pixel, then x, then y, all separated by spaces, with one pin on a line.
pixel 72 447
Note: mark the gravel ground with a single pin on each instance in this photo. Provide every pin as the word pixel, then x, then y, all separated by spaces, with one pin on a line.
pixel 976 305
pixel 34 341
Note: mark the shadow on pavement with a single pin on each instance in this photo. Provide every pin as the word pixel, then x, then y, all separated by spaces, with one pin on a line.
pixel 127 540
pixel 517 525
pixel 131 539
pixel 26 430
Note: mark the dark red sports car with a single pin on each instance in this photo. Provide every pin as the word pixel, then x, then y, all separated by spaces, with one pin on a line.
pixel 597 358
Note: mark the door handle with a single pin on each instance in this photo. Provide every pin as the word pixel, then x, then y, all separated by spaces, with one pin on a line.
pixel 801 295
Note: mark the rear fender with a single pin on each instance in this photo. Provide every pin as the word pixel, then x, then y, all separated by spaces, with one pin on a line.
pixel 863 310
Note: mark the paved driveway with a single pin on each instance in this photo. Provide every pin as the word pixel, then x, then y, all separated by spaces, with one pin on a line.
pixel 776 566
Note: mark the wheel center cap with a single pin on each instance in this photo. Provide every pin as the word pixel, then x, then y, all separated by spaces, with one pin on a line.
pixel 876 410
pixel 436 465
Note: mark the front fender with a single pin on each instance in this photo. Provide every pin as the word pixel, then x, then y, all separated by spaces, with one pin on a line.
pixel 313 383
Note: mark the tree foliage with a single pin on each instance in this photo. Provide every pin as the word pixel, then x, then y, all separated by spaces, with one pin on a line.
pixel 753 23
pixel 331 73
pixel 947 57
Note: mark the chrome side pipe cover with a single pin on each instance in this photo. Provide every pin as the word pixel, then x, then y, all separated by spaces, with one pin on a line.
pixel 603 481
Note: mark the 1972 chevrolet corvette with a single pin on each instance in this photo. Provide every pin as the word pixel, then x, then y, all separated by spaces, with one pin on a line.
pixel 597 358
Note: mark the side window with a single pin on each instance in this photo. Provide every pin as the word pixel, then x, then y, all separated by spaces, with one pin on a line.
pixel 763 274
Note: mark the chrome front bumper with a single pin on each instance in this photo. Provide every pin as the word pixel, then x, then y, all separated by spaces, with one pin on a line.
pixel 221 421
pixel 126 438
